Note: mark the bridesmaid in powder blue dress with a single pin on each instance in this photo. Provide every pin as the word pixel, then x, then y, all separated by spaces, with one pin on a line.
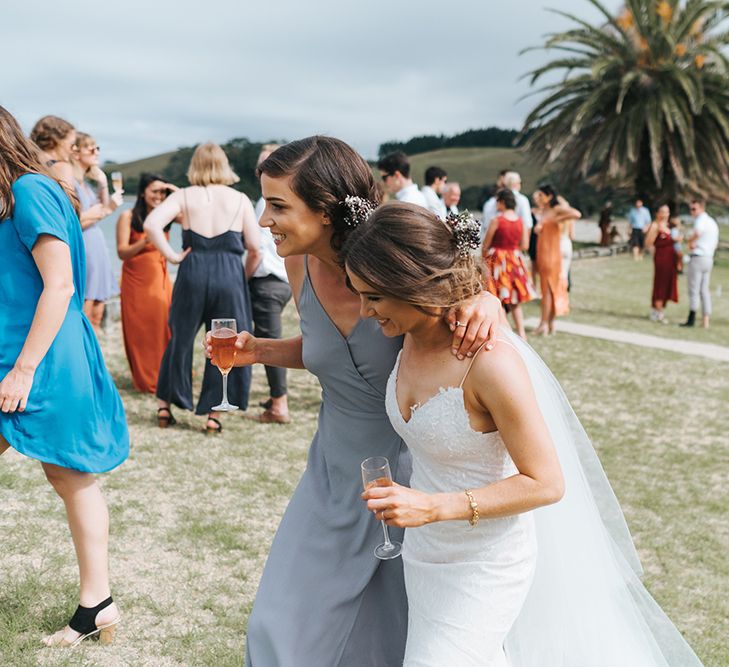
pixel 58 403
pixel 96 204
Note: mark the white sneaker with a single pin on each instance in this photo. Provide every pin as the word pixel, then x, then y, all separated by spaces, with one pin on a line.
pixel 654 315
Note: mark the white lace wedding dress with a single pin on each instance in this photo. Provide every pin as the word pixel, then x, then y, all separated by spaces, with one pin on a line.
pixel 555 587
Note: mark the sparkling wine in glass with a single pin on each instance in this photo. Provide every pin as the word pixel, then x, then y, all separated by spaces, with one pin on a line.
pixel 223 337
pixel 116 181
pixel 376 472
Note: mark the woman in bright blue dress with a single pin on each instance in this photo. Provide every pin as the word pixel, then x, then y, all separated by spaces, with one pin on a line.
pixel 58 403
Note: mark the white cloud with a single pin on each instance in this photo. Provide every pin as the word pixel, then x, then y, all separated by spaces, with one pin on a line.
pixel 145 78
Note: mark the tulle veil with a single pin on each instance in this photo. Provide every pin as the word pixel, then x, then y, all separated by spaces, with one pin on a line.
pixel 587 606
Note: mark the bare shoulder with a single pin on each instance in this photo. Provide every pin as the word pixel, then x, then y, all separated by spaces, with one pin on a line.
pixel 125 217
pixel 498 371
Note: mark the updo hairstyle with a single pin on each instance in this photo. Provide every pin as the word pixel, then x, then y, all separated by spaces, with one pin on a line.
pixel 323 172
pixel 507 198
pixel 408 253
pixel 49 131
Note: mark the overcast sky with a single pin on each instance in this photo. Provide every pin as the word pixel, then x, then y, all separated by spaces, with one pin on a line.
pixel 160 75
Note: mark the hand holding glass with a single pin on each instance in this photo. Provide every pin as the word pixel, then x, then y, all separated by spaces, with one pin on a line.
pixel 376 472
pixel 116 181
pixel 222 339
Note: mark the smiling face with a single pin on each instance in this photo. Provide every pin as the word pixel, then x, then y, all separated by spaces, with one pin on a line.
pixel 395 317
pixel 154 194
pixel 296 229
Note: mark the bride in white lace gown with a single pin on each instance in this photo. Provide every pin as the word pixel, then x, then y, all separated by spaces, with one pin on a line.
pixel 532 582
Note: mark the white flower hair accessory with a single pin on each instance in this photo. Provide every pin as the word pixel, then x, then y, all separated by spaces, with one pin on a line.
pixel 358 209
pixel 466 231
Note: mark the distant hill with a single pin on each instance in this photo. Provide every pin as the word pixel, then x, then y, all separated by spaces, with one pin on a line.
pixel 473 168
pixel 131 170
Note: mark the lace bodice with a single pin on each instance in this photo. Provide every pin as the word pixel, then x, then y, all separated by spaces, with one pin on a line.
pixel 449 455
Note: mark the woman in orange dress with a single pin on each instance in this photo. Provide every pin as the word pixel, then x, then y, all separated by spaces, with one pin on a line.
pixel 554 215
pixel 507 276
pixel 146 291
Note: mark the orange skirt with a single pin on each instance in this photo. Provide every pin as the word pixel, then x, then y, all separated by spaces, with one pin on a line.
pixel 507 276
pixel 146 294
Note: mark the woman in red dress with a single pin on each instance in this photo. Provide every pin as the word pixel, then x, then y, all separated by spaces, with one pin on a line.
pixel 146 291
pixel 507 276
pixel 665 276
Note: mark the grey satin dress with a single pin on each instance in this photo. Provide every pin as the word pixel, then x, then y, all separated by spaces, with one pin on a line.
pixel 324 599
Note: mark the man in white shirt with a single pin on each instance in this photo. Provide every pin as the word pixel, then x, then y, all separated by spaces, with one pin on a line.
pixel 435 181
pixel 270 292
pixel 451 197
pixel 702 245
pixel 523 209
pixel 639 218
pixel 489 208
pixel 511 181
pixel 395 172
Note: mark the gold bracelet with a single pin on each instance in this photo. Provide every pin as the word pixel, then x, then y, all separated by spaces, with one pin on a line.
pixel 474 508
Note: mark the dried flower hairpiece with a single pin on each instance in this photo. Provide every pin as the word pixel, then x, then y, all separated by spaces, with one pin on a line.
pixel 358 210
pixel 466 231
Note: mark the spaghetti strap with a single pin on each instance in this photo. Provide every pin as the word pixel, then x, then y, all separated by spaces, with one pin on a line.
pixel 507 342
pixel 468 370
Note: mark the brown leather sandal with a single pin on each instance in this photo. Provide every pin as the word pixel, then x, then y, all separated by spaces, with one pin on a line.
pixel 270 417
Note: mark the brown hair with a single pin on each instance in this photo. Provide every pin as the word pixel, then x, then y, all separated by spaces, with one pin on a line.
pixel 323 172
pixel 49 131
pixel 209 166
pixel 82 139
pixel 406 252
pixel 18 156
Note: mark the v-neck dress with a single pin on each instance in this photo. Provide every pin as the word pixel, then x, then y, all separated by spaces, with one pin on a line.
pixel 324 599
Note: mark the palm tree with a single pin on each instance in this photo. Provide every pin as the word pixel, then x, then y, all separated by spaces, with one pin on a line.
pixel 642 102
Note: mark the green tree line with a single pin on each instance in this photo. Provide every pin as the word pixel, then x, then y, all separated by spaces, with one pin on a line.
pixel 490 137
pixel 242 155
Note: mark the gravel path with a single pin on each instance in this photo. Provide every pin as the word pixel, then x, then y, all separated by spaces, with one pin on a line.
pixel 706 350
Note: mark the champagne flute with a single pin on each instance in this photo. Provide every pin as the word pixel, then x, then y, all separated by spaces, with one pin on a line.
pixel 376 472
pixel 223 337
pixel 116 181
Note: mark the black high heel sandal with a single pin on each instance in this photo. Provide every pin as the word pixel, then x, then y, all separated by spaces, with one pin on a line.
pixel 213 430
pixel 83 621
pixel 163 421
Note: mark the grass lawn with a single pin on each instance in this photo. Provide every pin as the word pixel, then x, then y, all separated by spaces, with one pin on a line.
pixel 193 516
pixel 615 292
